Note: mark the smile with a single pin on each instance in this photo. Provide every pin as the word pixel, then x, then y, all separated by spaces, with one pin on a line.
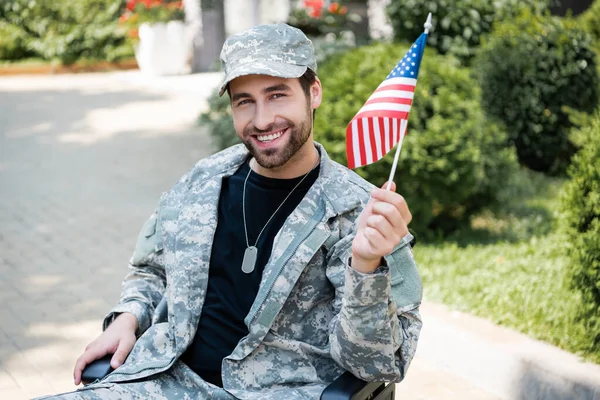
pixel 270 137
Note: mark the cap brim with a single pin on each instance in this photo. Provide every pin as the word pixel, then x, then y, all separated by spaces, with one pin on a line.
pixel 276 69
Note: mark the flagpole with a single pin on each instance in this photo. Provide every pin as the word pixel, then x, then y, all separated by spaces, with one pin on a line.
pixel 403 126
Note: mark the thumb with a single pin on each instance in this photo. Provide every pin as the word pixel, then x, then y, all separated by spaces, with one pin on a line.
pixel 392 186
pixel 120 355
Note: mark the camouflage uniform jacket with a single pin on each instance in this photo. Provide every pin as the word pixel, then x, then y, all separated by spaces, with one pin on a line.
pixel 313 316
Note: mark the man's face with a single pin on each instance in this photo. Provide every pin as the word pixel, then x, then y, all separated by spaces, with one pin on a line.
pixel 273 117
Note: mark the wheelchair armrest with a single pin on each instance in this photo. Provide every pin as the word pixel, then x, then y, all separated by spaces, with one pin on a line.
pixel 349 387
pixel 97 369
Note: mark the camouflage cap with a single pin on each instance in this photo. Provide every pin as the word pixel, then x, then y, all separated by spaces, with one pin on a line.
pixel 276 50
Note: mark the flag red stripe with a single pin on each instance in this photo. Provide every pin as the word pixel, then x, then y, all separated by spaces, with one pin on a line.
pixel 350 147
pixel 396 100
pixel 406 88
pixel 383 113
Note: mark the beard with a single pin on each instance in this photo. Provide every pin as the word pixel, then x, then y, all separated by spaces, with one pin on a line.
pixel 297 136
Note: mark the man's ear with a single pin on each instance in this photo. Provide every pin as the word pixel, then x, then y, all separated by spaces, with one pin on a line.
pixel 316 93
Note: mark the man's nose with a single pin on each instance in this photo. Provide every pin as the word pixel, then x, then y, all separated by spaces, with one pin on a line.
pixel 263 117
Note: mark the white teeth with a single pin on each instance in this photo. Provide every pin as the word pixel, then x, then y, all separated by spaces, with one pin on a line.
pixel 268 138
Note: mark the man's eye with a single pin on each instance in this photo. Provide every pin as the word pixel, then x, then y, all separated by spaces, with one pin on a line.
pixel 242 102
pixel 277 95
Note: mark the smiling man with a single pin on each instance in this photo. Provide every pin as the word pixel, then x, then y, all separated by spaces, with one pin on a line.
pixel 268 270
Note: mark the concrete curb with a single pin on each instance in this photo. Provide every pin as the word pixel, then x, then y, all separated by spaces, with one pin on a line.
pixel 505 363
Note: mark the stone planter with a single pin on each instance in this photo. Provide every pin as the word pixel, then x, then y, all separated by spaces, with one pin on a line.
pixel 163 49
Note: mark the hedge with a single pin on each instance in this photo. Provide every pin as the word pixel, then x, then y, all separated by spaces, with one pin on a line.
pixel 533 71
pixel 581 211
pixel 62 30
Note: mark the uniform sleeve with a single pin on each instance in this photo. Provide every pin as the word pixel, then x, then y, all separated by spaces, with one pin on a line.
pixel 375 330
pixel 144 285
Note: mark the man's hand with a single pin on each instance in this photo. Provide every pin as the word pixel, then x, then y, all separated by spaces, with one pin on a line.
pixel 118 339
pixel 381 226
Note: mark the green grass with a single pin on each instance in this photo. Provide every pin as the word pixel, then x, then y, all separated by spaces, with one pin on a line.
pixel 510 268
pixel 25 62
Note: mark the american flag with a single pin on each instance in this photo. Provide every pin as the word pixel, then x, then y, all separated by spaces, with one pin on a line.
pixel 379 124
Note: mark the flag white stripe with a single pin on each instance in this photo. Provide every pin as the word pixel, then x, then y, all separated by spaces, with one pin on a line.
pixel 386 132
pixel 385 107
pixel 403 94
pixel 395 131
pixel 367 139
pixel 398 81
pixel 355 143
pixel 377 133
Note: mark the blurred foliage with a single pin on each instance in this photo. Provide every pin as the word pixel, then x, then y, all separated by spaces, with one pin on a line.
pixel 534 72
pixel 13 42
pixel 218 120
pixel 63 30
pixel 152 11
pixel 458 25
pixel 331 44
pixel 453 162
pixel 590 21
pixel 581 211
pixel 327 27
pixel 315 19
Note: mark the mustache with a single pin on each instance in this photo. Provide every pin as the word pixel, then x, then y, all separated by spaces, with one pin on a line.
pixel 252 130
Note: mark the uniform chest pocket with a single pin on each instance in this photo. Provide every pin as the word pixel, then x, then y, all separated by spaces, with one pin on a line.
pixel 148 241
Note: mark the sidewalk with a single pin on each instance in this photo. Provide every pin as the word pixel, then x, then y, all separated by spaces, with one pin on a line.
pixel 83 160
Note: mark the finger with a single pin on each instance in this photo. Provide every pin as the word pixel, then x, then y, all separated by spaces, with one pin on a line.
pixel 392 186
pixel 392 234
pixel 121 354
pixel 389 212
pixel 87 357
pixel 395 199
pixel 381 225
pixel 379 245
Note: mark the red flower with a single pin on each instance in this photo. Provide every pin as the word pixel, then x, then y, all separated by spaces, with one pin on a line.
pixel 315 6
pixel 335 8
pixel 131 5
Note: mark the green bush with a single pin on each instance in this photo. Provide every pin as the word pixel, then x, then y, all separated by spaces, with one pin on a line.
pixel 533 70
pixel 453 162
pixel 581 210
pixel 63 30
pixel 457 24
pixel 590 21
pixel 12 42
pixel 218 120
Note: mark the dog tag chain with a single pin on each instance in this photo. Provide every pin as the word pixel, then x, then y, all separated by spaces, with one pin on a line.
pixel 251 252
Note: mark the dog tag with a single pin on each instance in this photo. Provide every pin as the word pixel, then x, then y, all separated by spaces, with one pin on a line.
pixel 249 259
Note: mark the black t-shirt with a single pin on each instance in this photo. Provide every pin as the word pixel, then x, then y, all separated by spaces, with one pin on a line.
pixel 230 291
